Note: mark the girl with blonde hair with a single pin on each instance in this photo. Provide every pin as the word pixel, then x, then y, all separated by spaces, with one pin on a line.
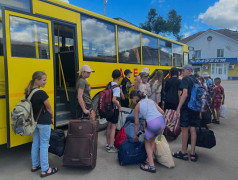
pixel 41 136
pixel 156 86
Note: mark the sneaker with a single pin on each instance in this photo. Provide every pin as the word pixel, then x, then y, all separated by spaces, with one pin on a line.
pixel 112 150
pixel 107 147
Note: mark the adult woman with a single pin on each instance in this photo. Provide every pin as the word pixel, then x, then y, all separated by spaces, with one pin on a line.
pixel 83 90
pixel 156 86
pixel 155 125
pixel 172 90
pixel 41 136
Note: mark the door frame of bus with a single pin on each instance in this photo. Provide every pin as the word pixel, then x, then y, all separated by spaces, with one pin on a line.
pixel 66 23
pixel 4 9
pixel 72 25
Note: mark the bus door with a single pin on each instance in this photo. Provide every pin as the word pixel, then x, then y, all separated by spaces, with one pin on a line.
pixel 28 46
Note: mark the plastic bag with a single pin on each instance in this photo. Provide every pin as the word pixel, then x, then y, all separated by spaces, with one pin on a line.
pixel 223 111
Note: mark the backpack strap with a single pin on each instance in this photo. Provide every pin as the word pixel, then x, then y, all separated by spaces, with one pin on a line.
pixel 32 93
pixel 38 116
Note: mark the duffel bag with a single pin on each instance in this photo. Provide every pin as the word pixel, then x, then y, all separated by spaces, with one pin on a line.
pixel 205 138
pixel 130 128
pixel 131 152
pixel 57 142
pixel 206 117
pixel 172 128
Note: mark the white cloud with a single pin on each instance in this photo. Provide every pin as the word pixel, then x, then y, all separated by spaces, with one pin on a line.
pixel 223 14
pixel 157 1
pixel 187 34
pixel 67 1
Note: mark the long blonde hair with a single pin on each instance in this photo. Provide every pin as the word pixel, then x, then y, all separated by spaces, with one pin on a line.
pixel 36 75
pixel 159 75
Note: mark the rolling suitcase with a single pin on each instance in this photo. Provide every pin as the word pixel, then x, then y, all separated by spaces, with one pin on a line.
pixel 81 144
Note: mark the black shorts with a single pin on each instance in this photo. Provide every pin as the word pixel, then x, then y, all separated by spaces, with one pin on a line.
pixel 114 118
pixel 125 103
pixel 80 112
pixel 189 118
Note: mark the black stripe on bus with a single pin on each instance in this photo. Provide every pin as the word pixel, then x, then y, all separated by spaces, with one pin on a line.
pixel 100 87
pixel 2 97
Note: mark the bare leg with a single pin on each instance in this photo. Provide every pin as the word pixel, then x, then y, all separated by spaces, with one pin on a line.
pixel 184 139
pixel 149 144
pixel 193 139
pixel 112 134
pixel 108 132
pixel 218 115
pixel 213 113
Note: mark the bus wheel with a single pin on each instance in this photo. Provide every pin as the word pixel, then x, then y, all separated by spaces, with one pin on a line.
pixel 103 121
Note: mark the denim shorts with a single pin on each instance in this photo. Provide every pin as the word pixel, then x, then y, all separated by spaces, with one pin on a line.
pixel 189 118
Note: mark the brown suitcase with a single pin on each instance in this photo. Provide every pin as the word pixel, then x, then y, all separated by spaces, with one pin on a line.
pixel 81 144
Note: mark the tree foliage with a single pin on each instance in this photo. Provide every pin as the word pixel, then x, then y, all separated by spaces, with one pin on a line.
pixel 157 24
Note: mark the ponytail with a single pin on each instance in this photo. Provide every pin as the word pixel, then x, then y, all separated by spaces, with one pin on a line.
pixel 36 75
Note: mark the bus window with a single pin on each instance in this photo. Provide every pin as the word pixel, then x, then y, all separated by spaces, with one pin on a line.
pixel 23 5
pixel 99 40
pixel 150 50
pixel 129 46
pixel 177 55
pixel 26 36
pixel 165 53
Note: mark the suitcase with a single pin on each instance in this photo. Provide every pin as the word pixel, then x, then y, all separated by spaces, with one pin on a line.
pixel 131 152
pixel 81 144
pixel 57 142
pixel 205 138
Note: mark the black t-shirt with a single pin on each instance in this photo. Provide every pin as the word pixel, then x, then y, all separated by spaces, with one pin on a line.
pixel 187 83
pixel 126 83
pixel 171 90
pixel 37 101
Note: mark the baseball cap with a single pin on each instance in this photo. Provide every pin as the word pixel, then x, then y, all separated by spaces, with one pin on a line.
pixel 205 74
pixel 86 68
pixel 127 71
pixel 145 70
pixel 188 67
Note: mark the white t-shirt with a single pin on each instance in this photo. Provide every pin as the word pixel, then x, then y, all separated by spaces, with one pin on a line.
pixel 116 92
pixel 155 90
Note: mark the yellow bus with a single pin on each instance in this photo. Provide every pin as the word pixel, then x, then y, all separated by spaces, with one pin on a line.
pixel 58 38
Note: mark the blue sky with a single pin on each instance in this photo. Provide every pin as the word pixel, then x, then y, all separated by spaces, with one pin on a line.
pixel 197 15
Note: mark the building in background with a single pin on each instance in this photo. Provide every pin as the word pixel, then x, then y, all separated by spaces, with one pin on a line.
pixel 215 52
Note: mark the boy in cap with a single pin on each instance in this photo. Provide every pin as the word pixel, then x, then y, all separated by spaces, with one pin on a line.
pixel 188 118
pixel 209 82
pixel 125 85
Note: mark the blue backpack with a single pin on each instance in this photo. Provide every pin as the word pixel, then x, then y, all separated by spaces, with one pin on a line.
pixel 198 99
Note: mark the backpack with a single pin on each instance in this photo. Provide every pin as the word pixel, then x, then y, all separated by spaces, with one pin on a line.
pixel 22 119
pixel 198 98
pixel 210 87
pixel 105 105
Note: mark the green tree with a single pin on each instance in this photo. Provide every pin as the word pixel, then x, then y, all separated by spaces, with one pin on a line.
pixel 157 24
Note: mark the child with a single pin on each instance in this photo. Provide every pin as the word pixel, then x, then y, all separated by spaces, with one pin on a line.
pixel 112 122
pixel 125 85
pixel 144 85
pixel 218 98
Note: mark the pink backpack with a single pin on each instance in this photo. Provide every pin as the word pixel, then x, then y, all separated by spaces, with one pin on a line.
pixel 172 128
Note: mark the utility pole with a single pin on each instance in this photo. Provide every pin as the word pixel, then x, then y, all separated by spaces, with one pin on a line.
pixel 105 3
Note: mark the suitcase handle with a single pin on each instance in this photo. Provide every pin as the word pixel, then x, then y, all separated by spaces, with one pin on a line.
pixel 87 117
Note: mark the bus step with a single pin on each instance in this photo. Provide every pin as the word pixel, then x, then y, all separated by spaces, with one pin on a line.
pixel 62 115
pixel 62 123
pixel 60 107
pixel 57 99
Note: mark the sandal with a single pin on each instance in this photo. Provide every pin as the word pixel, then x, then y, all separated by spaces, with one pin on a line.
pixel 53 171
pixel 214 121
pixel 180 155
pixel 194 156
pixel 149 169
pixel 35 168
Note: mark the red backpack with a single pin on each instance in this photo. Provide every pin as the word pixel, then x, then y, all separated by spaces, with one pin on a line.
pixel 120 138
pixel 105 105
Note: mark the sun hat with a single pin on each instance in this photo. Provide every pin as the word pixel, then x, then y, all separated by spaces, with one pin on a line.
pixel 205 74
pixel 86 68
pixel 145 70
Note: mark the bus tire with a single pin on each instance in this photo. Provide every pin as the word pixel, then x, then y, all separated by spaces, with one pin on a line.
pixel 103 121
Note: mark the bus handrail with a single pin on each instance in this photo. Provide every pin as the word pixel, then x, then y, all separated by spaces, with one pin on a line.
pixel 62 73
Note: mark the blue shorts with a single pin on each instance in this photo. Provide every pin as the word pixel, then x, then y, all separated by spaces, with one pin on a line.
pixel 189 118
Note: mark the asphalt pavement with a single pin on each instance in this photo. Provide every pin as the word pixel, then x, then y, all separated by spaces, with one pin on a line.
pixel 218 163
